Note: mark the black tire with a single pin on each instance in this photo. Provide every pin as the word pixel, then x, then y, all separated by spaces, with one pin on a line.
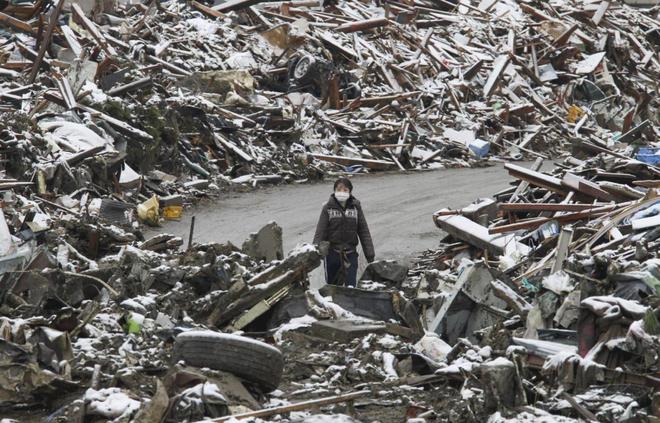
pixel 254 361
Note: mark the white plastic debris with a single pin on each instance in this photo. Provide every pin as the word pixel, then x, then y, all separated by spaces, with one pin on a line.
pixel 110 403
pixel 559 283
pixel 433 347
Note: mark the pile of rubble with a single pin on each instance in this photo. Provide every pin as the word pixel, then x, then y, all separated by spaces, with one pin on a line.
pixel 560 271
pixel 540 304
pixel 167 98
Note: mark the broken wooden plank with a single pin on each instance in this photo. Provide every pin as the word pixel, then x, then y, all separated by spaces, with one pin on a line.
pixel 621 190
pixel 375 101
pixel 13 185
pixel 267 283
pixel 565 218
pixel 208 11
pixel 301 406
pixel 579 408
pixel 586 187
pixel 389 76
pixel 232 5
pixel 45 42
pixel 93 30
pixel 565 239
pixel 647 183
pixel 600 13
pixel 536 13
pixel 10 21
pixel 65 91
pixel 546 207
pixel 131 86
pixel 565 36
pixel 523 185
pixel 168 65
pixel 473 70
pixel 529 72
pixel 531 137
pixel 348 161
pixel 402 138
pixel 117 124
pixel 79 157
pixel 499 66
pixel 71 40
pixel 462 228
pixel 228 145
pixel 336 45
pixel 514 300
pixel 363 25
pixel 536 178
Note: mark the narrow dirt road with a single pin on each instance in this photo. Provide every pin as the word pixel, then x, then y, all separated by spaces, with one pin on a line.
pixel 398 208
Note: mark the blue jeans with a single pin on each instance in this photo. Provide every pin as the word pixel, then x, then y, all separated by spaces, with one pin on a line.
pixel 335 275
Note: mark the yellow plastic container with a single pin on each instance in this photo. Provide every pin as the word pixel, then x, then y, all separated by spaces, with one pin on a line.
pixel 172 212
pixel 574 113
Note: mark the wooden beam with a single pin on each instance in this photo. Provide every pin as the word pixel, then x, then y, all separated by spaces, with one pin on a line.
pixel 6 20
pixel 135 85
pixel 565 218
pixel 460 227
pixel 600 13
pixel 363 25
pixel 93 30
pixel 45 42
pixel 232 5
pixel 498 68
pixel 208 11
pixel 536 178
pixel 586 187
pixel 348 161
pixel 543 207
pixel 230 146
pixel 305 405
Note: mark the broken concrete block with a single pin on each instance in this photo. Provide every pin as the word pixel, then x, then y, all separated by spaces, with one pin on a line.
pixel 499 378
pixel 485 206
pixel 266 244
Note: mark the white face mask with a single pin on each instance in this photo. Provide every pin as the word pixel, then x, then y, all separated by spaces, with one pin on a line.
pixel 342 196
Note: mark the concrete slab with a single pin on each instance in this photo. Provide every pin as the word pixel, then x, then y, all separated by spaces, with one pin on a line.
pixel 265 244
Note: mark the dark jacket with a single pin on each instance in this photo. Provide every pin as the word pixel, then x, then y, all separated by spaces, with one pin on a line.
pixel 342 226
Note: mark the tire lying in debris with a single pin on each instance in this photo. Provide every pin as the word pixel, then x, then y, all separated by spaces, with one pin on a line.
pixel 254 361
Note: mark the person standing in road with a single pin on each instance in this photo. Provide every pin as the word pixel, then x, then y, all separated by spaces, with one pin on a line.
pixel 340 225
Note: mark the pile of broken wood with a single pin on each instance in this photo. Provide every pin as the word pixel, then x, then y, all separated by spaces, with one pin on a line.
pixel 255 92
pixel 568 271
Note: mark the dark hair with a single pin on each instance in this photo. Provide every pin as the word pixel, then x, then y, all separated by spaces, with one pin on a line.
pixel 345 182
